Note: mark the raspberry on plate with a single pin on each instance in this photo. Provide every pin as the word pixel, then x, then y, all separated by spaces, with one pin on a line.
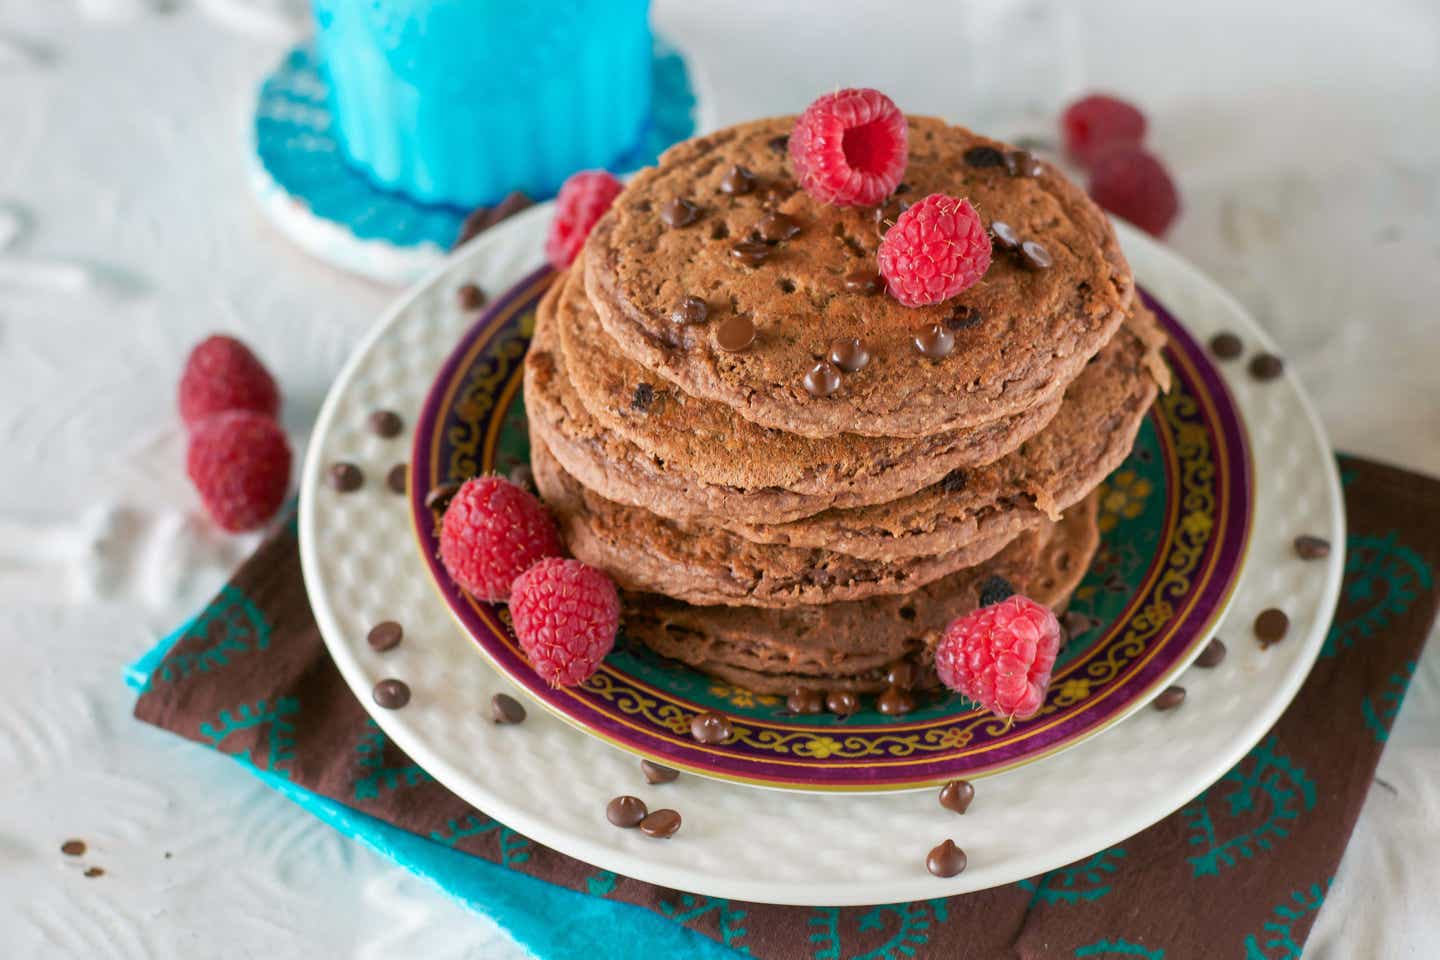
pixel 1094 124
pixel 1001 656
pixel 583 200
pixel 492 532
pixel 222 374
pixel 850 148
pixel 566 614
pixel 240 463
pixel 1132 183
pixel 937 248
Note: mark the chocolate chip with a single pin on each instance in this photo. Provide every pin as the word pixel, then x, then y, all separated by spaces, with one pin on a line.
pixel 842 703
pixel 849 354
pixel 1035 256
pixel 1004 235
pixel 655 773
pixel 1023 163
pixel 470 296
pixel 1266 366
pixel 776 227
pixel 735 334
pixel 865 282
pixel 1271 626
pixel 679 212
pixel 805 701
pixel 345 477
pixel 822 379
pixel 385 423
pixel 440 496
pixel 1212 655
pixel 385 635
pixel 957 795
pixel 644 396
pixel 963 318
pixel 73 848
pixel 522 476
pixel 946 860
pixel 984 157
pixel 661 824
pixel 398 478
pixel 887 213
pixel 1226 346
pixel 907 612
pixel 737 180
pixel 1075 624
pixel 711 727
pixel 901 187
pixel 895 702
pixel 995 589
pixel 626 811
pixel 691 310
pixel 391 694
pixel 1308 547
pixel 93 872
pixel 780 144
pixel 1169 698
pixel 752 253
pixel 901 673
pixel 954 481
pixel 935 341
pixel 483 218
pixel 506 709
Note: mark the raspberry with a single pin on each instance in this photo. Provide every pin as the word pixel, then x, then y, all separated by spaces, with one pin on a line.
pixel 1131 183
pixel 566 614
pixel 492 532
pixel 222 374
pixel 850 148
pixel 1096 123
pixel 1001 656
pixel 937 248
pixel 240 463
pixel 583 200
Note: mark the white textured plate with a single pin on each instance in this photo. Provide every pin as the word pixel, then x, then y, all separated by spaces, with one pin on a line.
pixel 551 781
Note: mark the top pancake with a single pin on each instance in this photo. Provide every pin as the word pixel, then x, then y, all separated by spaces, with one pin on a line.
pixel 1037 328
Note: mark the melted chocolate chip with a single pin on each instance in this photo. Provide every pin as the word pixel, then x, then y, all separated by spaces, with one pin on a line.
pixel 737 180
pixel 1308 547
pixel 1035 256
pixel 1226 346
pixel 661 824
pixel 954 481
pixel 391 694
pixel 679 212
pixel 398 478
pixel 752 253
pixel 995 589
pixel 1169 698
pixel 470 297
pixel 864 282
pixel 901 673
pixel 691 310
pixel 711 727
pixel 656 773
pixel 776 227
pixel 73 848
pixel 805 701
pixel 736 334
pixel 849 354
pixel 935 341
pixel 984 157
pixel 1271 626
pixel 946 860
pixel 1004 235
pixel 822 379
pixel 506 709
pixel 385 423
pixel 439 496
pixel 1023 163
pixel 345 477
pixel 385 635
pixel 644 396
pixel 957 795
pixel 842 703
pixel 626 811
pixel 895 702
pixel 1266 366
pixel 1212 655
pixel 963 318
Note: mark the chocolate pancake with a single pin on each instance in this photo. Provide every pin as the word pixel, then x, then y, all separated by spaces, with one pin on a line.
pixel 1020 334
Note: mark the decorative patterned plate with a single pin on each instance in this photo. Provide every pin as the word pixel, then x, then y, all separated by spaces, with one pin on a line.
pixel 1174 521
pixel 549 781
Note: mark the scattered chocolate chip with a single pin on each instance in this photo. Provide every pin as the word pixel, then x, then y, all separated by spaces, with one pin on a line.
pixel 994 590
pixel 471 297
pixel 1226 346
pixel 984 157
pixel 691 310
pixel 1266 366
pixel 506 709
pixel 626 811
pixel 655 773
pixel 398 478
pixel 73 848
pixel 780 144
pixel 963 318
pixel 385 423
pixel 776 227
pixel 1271 626
pixel 954 481
pixel 957 795
pixel 1308 547
pixel 711 727
pixel 946 860
pixel 1035 256
pixel 805 701
pixel 679 212
pixel 822 379
pixel 752 253
pixel 93 872
pixel 1075 624
pixel 737 180
pixel 849 354
pixel 483 218
pixel 842 703
pixel 439 496
pixel 391 694
pixel 644 396
pixel 1023 163
pixel 661 824
pixel 901 673
pixel 935 341
pixel 866 282
pixel 345 477
pixel 1004 235
pixel 385 635
pixel 735 334
pixel 1169 698
pixel 1212 655
pixel 522 476
pixel 894 702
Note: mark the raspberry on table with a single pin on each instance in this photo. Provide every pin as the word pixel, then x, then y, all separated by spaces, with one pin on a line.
pixel 850 148
pixel 937 248
pixel 221 374
pixel 1001 656
pixel 492 532
pixel 583 200
pixel 239 461
pixel 566 614
pixel 1132 183
pixel 1094 124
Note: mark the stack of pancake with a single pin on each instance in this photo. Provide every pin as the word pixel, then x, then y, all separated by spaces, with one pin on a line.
pixel 786 522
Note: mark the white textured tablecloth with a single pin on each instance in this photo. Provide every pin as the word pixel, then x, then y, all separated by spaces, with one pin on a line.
pixel 1306 139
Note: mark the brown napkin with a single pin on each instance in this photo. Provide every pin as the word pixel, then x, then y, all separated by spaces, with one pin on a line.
pixel 1240 871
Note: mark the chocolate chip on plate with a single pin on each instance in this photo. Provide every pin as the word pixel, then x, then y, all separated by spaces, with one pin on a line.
pixel 1266 366
pixel 984 157
pixel 865 282
pixel 776 227
pixel 1005 236
pixel 1271 626
pixel 711 727
pixel 805 701
pixel 935 342
pixel 849 354
pixel 661 824
pixel 957 795
pixel 842 703
pixel 1212 655
pixel 73 848
pixel 1309 547
pixel 506 709
pixel 895 701
pixel 391 694
pixel 385 635
pixel 470 296
pixel 93 872
pixel 1226 345
pixel 1076 623
pixel 822 379
pixel 1035 255
pixel 626 811
pixel 398 478
pixel 735 334
pixel 691 310
pixel 385 423
pixel 1169 698
pixel 901 674
pixel 345 477
pixel 737 180
pixel 946 860
pixel 440 495
pixel 752 253
pixel 679 212
pixel 657 773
